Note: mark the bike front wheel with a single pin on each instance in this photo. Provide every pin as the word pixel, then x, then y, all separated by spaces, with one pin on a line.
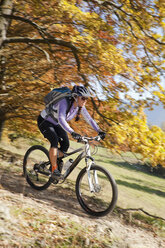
pixel 96 191
pixel 37 168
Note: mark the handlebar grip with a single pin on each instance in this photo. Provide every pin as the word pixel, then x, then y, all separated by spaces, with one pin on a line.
pixel 79 139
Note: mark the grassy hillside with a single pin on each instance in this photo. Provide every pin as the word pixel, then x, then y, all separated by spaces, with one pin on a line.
pixel 137 189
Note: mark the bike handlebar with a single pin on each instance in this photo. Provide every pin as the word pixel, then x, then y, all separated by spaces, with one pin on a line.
pixel 86 139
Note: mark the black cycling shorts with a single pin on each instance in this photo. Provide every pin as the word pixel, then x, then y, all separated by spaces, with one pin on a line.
pixel 54 133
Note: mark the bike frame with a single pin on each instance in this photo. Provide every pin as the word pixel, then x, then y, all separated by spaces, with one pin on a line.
pixel 75 162
pixel 89 160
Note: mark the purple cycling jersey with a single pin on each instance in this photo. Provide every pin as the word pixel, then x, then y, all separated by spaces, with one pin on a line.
pixel 60 113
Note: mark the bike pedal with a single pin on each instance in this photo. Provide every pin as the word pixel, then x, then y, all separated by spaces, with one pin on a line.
pixel 55 180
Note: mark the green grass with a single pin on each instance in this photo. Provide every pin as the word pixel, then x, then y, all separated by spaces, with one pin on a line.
pixel 137 188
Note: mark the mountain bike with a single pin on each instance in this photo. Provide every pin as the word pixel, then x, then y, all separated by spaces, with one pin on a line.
pixel 96 189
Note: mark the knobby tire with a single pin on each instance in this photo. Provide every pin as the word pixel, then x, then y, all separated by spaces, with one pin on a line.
pixel 90 202
pixel 32 150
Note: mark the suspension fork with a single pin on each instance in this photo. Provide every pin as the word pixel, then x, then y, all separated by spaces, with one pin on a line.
pixel 89 164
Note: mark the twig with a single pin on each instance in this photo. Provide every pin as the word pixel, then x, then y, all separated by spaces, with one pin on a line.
pixel 140 209
pixel 42 50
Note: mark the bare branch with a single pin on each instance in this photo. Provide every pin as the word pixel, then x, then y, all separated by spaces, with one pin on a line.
pixel 46 41
pixel 20 18
pixel 140 209
pixel 42 50
pixel 145 49
pixel 37 41
pixel 104 117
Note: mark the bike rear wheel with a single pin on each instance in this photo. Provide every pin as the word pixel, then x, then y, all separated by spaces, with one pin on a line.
pixel 37 168
pixel 104 196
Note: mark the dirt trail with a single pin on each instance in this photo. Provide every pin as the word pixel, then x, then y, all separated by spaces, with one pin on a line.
pixel 60 203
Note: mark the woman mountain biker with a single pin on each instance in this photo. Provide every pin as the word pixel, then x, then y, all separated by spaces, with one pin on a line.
pixel 56 130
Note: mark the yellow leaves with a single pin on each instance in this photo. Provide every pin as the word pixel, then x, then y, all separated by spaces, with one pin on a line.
pixel 161 87
pixel 162 23
pixel 107 46
pixel 160 95
pixel 157 36
pixel 134 135
pixel 76 13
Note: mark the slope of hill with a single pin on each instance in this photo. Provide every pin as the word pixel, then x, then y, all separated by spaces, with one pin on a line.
pixel 53 218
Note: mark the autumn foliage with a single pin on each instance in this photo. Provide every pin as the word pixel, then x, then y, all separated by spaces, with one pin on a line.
pixel 116 48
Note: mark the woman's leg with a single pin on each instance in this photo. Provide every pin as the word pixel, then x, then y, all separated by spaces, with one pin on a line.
pixel 48 130
pixel 63 140
pixel 53 157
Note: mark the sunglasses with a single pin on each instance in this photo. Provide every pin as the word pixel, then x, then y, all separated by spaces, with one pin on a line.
pixel 83 98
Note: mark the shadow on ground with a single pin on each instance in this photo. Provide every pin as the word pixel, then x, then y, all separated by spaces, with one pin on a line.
pixel 61 197
pixel 141 188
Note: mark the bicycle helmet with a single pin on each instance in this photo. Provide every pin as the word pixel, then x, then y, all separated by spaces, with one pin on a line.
pixel 80 91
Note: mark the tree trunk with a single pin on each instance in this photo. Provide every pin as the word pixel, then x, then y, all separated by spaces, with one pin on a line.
pixel 5 8
pixel 2 122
